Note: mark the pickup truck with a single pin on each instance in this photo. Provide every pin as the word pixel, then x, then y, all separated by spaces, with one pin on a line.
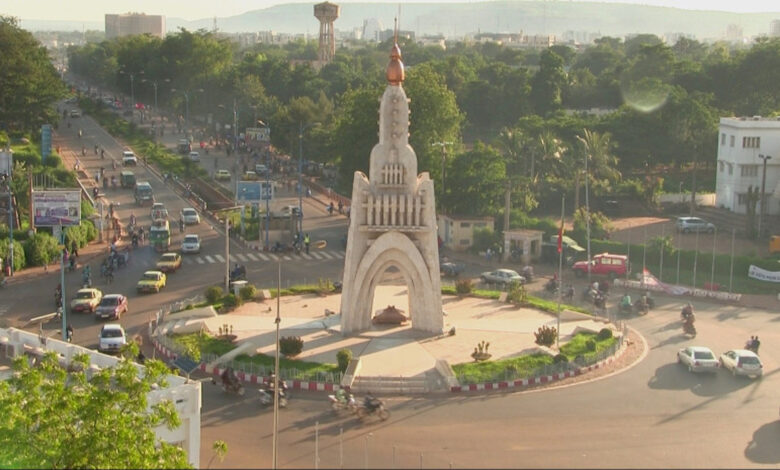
pixel 604 264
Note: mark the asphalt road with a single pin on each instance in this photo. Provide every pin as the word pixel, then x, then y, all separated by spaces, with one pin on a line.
pixel 655 414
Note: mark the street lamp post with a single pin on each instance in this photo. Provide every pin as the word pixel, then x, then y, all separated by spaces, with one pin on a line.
pixel 267 187
pixel 301 130
pixel 765 158
pixel 443 161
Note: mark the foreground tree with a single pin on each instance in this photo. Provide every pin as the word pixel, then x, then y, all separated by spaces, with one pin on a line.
pixel 58 418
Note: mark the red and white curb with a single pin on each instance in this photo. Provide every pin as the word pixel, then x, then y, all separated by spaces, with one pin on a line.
pixel 302 385
pixel 535 380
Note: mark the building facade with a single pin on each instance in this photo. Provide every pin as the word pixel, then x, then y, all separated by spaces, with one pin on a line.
pixel 744 143
pixel 130 24
pixel 457 231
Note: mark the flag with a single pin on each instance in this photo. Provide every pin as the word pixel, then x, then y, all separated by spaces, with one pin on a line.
pixel 560 238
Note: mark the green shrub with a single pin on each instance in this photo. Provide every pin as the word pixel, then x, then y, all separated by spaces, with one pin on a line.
pixel 343 357
pixel 517 294
pixel 604 333
pixel 546 335
pixel 230 300
pixel 464 286
pixel 213 294
pixel 290 346
pixel 247 292
pixel 20 260
pixel 560 358
pixel 41 249
pixel 590 345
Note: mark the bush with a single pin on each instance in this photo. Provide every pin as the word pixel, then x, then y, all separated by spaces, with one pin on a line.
pixel 343 357
pixel 604 333
pixel 247 292
pixel 590 345
pixel 19 255
pixel 230 300
pixel 464 286
pixel 560 358
pixel 517 294
pixel 41 249
pixel 546 335
pixel 213 294
pixel 290 346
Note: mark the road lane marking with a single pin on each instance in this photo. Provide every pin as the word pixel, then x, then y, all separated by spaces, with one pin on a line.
pixel 316 255
pixel 263 257
pixel 326 255
pixel 232 258
pixel 286 258
pixel 241 257
pixel 305 256
pixel 220 258
pixel 251 256
pixel 274 257
pixel 210 259
pixel 200 260
pixel 339 254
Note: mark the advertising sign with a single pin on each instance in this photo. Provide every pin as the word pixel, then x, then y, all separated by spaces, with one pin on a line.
pixel 252 192
pixel 763 275
pixel 52 208
pixel 257 136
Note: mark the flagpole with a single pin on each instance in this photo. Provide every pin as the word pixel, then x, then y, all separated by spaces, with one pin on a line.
pixel 560 274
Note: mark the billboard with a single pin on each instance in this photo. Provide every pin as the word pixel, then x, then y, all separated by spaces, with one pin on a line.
pixel 53 208
pixel 253 192
pixel 257 136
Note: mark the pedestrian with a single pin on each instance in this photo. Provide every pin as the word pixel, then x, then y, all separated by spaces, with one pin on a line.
pixel 341 207
pixel 306 242
pixel 488 254
pixel 756 343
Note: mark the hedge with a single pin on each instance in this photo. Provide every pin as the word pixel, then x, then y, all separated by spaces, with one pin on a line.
pixel 19 255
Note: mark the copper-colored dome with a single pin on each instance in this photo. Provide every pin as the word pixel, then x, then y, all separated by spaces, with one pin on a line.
pixel 395 69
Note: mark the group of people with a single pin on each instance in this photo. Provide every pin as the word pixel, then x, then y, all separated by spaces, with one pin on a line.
pixel 753 344
pixel 332 207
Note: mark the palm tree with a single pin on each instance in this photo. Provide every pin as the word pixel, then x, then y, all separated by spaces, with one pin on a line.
pixel 602 163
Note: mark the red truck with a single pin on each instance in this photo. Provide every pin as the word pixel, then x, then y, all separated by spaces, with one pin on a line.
pixel 604 264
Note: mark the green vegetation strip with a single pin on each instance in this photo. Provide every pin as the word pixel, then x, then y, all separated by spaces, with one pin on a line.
pixel 525 366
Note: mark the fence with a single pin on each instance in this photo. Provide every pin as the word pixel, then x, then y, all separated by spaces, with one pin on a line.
pixel 510 374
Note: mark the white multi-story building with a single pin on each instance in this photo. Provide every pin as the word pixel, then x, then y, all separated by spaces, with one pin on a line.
pixel 744 143
pixel 132 24
pixel 184 393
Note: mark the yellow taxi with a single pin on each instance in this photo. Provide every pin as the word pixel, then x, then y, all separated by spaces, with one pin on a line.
pixel 151 281
pixel 169 262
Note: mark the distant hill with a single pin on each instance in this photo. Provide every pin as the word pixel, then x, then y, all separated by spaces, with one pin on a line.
pixel 457 19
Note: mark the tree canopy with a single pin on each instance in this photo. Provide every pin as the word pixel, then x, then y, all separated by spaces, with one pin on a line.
pixel 79 418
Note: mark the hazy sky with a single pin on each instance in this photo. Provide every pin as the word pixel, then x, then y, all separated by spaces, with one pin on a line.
pixel 93 10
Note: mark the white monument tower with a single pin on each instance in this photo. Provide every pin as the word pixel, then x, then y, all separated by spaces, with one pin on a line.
pixel 392 221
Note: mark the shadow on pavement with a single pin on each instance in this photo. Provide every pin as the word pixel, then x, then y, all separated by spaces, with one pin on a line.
pixel 764 448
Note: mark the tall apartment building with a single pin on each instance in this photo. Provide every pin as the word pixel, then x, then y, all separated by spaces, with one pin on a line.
pixel 130 24
pixel 774 29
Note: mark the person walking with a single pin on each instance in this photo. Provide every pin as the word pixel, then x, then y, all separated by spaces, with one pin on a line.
pixel 306 242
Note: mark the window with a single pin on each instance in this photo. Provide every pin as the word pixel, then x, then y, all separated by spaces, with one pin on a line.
pixel 748 170
pixel 731 141
pixel 751 142
pixel 465 225
pixel 731 169
pixel 480 225
pixel 742 199
pixel 723 138
pixel 721 166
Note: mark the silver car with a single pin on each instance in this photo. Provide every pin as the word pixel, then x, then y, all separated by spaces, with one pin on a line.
pixel 742 362
pixel 698 359
pixel 694 224
pixel 190 244
pixel 501 276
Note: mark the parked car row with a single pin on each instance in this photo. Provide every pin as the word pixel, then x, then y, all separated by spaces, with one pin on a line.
pixel 737 361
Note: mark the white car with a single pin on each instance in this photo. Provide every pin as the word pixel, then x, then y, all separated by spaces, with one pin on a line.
pixel 501 276
pixel 194 156
pixel 742 362
pixel 698 359
pixel 190 244
pixel 128 158
pixel 190 216
pixel 112 337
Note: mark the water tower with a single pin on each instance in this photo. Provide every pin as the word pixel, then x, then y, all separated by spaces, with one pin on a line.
pixel 327 13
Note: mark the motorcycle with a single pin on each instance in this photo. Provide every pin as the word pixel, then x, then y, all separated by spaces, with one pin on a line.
pixel 689 329
pixel 528 273
pixel 230 383
pixel 642 308
pixel 568 294
pixel 551 286
pixel 373 406
pixel 596 297
pixel 267 395
pixel 345 401
pixel 626 308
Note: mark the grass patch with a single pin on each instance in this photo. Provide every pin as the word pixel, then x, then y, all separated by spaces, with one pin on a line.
pixel 305 367
pixel 528 365
pixel 195 344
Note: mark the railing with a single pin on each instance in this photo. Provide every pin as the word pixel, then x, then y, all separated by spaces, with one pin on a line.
pixel 509 375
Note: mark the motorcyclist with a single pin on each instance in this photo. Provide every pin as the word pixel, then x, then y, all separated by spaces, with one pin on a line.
pixel 569 293
pixel 370 402
pixel 552 284
pixel 229 377
pixel 86 275
pixel 642 305
pixel 132 219
pixel 625 302
pixel 687 312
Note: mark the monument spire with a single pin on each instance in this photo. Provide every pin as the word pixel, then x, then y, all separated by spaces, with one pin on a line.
pixel 395 69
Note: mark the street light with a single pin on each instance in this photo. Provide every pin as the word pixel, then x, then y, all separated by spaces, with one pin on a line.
pixel 132 88
pixel 765 158
pixel 301 130
pixel 186 106
pixel 267 186
pixel 443 160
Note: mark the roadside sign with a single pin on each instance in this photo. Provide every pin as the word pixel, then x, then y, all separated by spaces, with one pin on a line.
pixel 54 208
pixel 253 192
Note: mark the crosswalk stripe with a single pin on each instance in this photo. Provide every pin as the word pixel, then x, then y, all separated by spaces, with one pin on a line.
pixel 326 255
pixel 274 257
pixel 232 258
pixel 209 259
pixel 251 256
pixel 304 255
pixel 199 260
pixel 187 260
pixel 241 257
pixel 263 257
pixel 286 258
pixel 338 254
pixel 316 255
pixel 220 258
